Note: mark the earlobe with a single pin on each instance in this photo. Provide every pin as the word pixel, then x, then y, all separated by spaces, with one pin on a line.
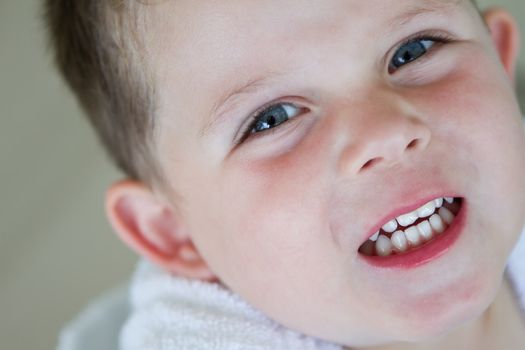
pixel 505 37
pixel 153 229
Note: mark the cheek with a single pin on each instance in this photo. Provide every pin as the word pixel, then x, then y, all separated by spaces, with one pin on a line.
pixel 279 200
pixel 273 211
pixel 268 219
pixel 476 117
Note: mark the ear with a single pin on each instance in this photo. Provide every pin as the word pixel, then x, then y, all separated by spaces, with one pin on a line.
pixel 154 230
pixel 505 37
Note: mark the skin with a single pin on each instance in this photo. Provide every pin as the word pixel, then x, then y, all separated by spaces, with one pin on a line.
pixel 279 217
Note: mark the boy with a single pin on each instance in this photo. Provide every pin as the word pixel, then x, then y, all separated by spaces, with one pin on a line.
pixel 353 169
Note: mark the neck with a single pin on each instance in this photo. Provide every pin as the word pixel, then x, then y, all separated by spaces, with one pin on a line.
pixel 501 326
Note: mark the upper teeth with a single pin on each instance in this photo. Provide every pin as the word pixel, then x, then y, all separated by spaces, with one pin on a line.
pixel 409 218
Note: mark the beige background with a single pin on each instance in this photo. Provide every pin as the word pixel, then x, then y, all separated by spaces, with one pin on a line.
pixel 57 250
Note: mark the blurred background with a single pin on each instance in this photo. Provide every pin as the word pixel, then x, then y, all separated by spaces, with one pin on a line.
pixel 57 251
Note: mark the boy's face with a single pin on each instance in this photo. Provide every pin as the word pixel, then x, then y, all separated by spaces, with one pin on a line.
pixel 280 216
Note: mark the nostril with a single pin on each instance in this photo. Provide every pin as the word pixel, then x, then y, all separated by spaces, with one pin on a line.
pixel 413 143
pixel 371 162
pixel 392 156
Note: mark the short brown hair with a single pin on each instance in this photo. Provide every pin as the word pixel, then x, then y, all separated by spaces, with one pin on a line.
pixel 99 51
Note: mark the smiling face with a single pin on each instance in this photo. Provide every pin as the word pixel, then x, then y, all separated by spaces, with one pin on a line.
pixel 362 107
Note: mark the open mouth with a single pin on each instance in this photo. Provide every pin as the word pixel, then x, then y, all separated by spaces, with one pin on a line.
pixel 412 232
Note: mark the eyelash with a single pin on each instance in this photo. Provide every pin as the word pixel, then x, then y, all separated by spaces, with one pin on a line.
pixel 437 37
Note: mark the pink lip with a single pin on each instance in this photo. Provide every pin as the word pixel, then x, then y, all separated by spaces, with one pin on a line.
pixel 399 211
pixel 427 252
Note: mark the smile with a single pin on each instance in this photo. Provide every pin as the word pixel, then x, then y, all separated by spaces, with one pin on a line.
pixel 418 236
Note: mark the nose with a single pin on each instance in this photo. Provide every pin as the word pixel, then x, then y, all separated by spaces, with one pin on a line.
pixel 385 140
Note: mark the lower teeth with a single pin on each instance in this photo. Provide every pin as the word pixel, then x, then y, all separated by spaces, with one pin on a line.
pixel 413 237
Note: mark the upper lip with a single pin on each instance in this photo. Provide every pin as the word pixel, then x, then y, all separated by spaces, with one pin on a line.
pixel 409 203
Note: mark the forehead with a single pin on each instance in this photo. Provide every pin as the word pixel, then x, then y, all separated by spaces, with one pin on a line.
pixel 192 18
pixel 198 22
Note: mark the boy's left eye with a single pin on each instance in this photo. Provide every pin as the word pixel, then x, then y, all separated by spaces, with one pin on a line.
pixel 412 50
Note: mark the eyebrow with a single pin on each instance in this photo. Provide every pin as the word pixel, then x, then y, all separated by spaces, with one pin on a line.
pixel 415 11
pixel 229 99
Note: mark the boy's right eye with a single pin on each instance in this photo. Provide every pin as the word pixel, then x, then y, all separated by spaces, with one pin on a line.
pixel 273 116
pixel 270 117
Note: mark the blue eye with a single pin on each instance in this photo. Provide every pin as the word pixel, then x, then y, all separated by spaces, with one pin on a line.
pixel 410 52
pixel 271 117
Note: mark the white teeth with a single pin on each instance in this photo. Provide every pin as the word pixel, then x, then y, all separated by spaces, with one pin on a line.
pixel 425 230
pixel 407 219
pixel 422 212
pixel 399 241
pixel 390 226
pixel 413 235
pixel 427 209
pixel 383 246
pixel 446 215
pixel 437 223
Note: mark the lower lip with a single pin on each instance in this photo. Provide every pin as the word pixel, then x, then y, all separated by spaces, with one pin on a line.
pixel 426 253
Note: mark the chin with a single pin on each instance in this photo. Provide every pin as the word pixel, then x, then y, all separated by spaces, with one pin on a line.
pixel 457 316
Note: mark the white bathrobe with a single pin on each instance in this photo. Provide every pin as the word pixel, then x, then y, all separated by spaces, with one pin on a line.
pixel 169 313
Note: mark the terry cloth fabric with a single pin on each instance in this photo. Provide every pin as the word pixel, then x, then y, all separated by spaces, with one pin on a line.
pixel 98 326
pixel 168 313
pixel 515 271
pixel 173 313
